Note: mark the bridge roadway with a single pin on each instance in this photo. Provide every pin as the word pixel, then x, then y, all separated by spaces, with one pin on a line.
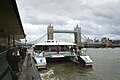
pixel 64 31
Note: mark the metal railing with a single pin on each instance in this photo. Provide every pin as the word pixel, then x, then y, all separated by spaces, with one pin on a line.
pixel 36 75
pixel 3 63
pixel 27 65
pixel 2 49
pixel 4 66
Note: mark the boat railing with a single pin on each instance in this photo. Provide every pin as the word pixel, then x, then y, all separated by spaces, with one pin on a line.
pixel 81 54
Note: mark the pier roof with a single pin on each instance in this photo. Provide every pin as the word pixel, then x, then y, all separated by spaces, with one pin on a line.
pixel 10 23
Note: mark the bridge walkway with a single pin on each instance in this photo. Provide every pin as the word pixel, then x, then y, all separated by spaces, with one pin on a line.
pixel 29 71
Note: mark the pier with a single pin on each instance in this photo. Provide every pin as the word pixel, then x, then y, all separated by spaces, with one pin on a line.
pixel 11 30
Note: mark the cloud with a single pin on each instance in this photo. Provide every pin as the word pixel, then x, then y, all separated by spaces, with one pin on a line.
pixel 96 18
pixel 40 20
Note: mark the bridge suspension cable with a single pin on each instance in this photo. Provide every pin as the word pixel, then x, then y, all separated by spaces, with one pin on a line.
pixel 38 40
pixel 84 37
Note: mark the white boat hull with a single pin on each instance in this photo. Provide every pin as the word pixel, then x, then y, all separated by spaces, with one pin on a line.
pixel 41 62
pixel 84 61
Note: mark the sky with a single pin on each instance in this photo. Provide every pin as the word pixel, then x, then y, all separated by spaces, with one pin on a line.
pixel 97 18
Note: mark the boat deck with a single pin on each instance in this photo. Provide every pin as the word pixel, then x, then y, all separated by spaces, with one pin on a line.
pixel 60 54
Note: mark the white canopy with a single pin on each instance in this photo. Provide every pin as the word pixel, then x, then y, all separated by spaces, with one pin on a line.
pixel 56 43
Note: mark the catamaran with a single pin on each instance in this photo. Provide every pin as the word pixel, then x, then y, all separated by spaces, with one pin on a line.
pixel 82 59
pixel 52 49
pixel 40 60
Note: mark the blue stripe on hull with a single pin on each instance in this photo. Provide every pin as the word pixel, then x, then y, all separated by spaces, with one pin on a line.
pixel 88 66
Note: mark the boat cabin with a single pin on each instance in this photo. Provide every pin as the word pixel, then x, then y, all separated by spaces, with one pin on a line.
pixel 53 46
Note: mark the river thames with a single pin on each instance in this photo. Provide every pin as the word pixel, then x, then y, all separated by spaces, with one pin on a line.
pixel 106 66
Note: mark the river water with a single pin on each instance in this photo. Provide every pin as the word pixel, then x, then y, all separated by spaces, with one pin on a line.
pixel 106 66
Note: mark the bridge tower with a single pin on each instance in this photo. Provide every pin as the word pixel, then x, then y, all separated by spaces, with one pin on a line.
pixel 77 35
pixel 50 32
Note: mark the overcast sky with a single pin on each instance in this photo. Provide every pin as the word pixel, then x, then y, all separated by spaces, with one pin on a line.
pixel 97 18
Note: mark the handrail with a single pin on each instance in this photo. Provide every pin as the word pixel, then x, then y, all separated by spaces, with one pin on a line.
pixel 27 68
pixel 4 66
pixel 37 75
pixel 2 53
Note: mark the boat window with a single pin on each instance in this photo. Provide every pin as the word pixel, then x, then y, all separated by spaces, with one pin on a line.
pixel 48 41
pixel 52 48
pixel 37 48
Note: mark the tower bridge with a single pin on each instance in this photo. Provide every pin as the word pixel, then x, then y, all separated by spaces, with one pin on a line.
pixel 78 36
pixel 76 31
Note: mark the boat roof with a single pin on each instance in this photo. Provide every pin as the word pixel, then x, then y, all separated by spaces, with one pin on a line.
pixel 56 43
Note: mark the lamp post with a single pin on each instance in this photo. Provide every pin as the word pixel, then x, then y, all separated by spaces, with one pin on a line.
pixel 25 41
